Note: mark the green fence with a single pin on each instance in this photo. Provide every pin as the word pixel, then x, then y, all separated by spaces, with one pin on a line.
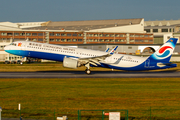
pixel 100 114
pixel 39 114
pixel 149 113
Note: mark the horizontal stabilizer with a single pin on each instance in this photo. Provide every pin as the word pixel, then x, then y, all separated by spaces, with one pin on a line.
pixel 167 64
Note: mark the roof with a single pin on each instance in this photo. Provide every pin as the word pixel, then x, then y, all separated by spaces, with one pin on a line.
pixel 87 25
pixel 18 26
pixel 162 23
pixel 8 25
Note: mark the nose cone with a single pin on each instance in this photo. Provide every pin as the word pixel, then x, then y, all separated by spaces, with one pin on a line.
pixel 6 48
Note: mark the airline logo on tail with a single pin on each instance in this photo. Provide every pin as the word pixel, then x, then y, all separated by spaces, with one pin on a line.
pixel 113 50
pixel 165 52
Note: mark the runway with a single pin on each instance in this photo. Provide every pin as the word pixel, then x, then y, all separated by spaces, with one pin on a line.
pixel 94 74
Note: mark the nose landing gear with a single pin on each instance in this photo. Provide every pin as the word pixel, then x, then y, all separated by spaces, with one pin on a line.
pixel 87 71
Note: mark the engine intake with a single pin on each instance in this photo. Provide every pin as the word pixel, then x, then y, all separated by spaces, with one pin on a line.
pixel 70 63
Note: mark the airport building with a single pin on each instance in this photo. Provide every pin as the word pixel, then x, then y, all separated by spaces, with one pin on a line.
pixel 132 35
pixel 163 30
pixel 123 31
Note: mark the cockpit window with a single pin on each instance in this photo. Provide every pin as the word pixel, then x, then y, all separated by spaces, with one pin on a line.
pixel 13 44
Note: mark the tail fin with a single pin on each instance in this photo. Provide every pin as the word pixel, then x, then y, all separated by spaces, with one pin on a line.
pixel 113 50
pixel 164 53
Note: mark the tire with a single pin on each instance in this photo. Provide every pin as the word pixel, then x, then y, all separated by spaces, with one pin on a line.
pixel 88 71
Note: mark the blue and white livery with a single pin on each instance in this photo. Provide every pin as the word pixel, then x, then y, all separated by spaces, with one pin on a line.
pixel 76 57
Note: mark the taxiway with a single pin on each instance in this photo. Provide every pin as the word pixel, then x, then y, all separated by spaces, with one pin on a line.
pixel 94 74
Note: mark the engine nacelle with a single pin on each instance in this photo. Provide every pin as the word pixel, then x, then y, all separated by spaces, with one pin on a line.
pixel 70 63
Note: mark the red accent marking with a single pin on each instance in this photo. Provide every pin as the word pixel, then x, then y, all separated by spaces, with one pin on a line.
pixel 106 113
pixel 164 48
pixel 19 44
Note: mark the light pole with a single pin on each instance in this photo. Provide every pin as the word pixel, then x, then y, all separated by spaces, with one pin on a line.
pixel 0 112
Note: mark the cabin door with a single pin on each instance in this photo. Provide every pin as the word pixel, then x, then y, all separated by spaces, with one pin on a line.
pixel 147 63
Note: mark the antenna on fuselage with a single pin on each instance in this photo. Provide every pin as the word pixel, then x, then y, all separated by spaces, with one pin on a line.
pixel 11 40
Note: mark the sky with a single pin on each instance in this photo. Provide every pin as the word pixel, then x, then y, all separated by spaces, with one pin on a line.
pixel 79 10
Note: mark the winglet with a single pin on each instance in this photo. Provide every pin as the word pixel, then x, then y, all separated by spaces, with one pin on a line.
pixel 107 50
pixel 113 50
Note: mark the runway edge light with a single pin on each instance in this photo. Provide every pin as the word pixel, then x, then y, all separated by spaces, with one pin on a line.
pixel 19 106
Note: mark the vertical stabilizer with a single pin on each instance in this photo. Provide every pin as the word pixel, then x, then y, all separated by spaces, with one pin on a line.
pixel 164 53
pixel 113 50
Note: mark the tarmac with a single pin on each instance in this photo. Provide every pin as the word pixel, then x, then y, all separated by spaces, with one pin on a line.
pixel 94 74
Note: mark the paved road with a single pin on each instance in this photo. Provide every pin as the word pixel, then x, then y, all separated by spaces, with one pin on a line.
pixel 94 74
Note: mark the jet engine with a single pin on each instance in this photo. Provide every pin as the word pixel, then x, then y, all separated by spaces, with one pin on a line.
pixel 70 63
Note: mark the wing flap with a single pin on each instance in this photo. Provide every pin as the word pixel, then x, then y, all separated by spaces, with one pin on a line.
pixel 95 60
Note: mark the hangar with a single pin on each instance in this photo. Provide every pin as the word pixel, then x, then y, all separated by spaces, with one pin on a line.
pixel 121 31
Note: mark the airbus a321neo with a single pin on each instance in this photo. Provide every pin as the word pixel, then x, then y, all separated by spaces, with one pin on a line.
pixel 76 57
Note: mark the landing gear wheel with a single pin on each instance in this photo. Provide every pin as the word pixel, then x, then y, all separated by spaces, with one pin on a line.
pixel 88 71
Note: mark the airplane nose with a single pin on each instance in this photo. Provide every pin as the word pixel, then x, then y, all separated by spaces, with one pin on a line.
pixel 6 48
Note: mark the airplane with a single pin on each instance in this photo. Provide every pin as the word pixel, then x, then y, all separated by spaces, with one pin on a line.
pixel 76 57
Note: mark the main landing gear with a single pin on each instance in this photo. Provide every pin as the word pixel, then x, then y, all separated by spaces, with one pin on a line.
pixel 87 71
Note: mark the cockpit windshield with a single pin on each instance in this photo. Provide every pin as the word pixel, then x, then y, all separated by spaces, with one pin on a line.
pixel 13 44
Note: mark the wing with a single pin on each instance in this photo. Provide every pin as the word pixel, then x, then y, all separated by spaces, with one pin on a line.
pixel 95 60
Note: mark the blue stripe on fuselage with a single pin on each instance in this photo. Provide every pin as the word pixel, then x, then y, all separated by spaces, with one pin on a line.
pixel 141 67
pixel 40 55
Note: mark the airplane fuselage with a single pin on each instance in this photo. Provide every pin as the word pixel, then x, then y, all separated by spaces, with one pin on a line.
pixel 58 53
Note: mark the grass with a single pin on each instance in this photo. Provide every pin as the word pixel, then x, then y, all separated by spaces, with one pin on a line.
pixel 40 97
pixel 40 67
